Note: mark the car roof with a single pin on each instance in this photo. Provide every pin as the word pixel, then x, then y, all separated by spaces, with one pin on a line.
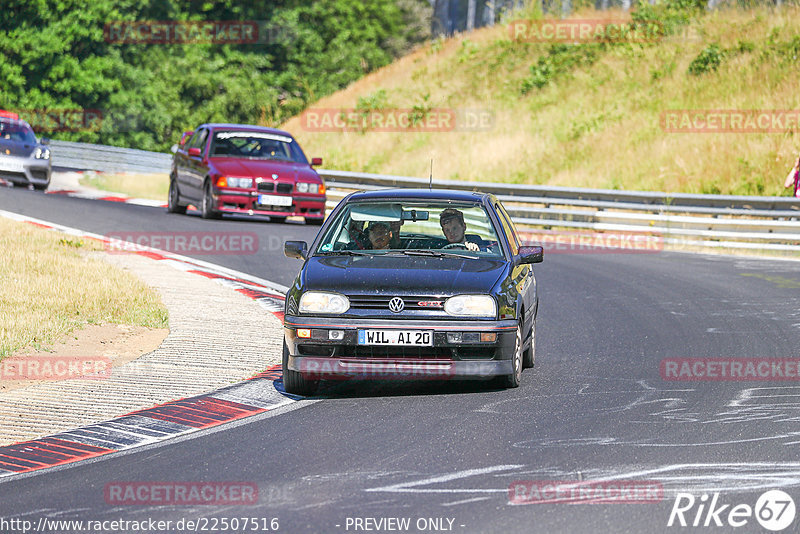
pixel 243 127
pixel 19 122
pixel 420 194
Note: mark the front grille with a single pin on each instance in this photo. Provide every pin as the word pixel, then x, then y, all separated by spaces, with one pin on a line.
pixel 266 187
pixel 411 353
pixel 369 302
pixel 285 188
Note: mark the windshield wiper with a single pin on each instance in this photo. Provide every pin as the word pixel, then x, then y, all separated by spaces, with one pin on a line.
pixel 343 253
pixel 435 254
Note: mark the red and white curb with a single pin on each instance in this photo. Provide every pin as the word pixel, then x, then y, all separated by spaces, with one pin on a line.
pixel 258 394
pixel 96 194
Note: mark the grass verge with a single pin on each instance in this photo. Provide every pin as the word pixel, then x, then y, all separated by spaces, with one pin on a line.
pixel 49 287
pixel 585 115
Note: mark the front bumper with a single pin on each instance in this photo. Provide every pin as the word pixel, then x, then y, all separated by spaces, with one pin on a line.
pixel 319 357
pixel 25 171
pixel 246 203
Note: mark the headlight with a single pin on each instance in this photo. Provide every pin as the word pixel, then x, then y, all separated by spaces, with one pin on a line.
pixel 41 153
pixel 240 182
pixel 471 306
pixel 303 187
pixel 320 302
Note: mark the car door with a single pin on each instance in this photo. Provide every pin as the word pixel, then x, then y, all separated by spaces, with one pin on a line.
pixel 182 167
pixel 196 168
pixel 522 275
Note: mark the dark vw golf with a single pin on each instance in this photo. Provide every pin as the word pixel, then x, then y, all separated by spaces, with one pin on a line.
pixel 411 284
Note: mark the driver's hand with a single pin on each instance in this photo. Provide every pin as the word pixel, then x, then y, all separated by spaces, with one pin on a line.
pixel 472 246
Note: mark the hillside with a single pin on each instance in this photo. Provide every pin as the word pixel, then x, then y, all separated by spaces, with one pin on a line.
pixel 586 115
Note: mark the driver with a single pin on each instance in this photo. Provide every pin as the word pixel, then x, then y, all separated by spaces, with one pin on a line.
pixel 453 228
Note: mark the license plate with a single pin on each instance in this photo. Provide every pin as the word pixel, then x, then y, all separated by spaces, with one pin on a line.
pixel 420 338
pixel 274 200
pixel 11 166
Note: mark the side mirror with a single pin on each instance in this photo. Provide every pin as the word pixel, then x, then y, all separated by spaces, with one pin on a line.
pixel 44 141
pixel 174 148
pixel 194 151
pixel 316 161
pixel 295 249
pixel 529 255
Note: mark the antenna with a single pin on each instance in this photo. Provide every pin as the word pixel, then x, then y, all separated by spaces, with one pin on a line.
pixel 430 182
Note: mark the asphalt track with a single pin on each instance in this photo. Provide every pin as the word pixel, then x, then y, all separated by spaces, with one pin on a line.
pixel 594 408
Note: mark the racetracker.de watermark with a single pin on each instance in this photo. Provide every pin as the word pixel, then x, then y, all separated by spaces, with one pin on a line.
pixel 219 243
pixel 584 491
pixel 730 120
pixel 332 369
pixel 170 32
pixel 180 493
pixel 397 120
pixel 564 242
pixel 55 368
pixel 586 31
pixel 729 369
pixel 62 119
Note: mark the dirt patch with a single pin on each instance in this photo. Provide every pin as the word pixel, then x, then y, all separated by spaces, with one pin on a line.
pixel 118 344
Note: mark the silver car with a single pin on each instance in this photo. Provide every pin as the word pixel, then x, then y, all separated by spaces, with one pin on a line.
pixel 24 160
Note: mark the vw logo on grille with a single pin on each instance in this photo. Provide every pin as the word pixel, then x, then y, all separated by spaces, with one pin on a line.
pixel 396 305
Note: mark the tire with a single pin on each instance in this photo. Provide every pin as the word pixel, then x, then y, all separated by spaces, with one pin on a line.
pixel 173 204
pixel 275 219
pixel 315 222
pixel 207 210
pixel 513 380
pixel 293 381
pixel 530 355
pixel 41 187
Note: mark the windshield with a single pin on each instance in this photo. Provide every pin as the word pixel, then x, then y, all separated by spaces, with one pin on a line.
pixel 12 130
pixel 381 227
pixel 256 145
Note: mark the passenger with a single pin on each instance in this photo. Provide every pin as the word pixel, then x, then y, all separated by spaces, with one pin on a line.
pixel 454 227
pixel 380 235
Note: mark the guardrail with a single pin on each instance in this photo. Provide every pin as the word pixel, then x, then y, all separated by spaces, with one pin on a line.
pixel 85 156
pixel 770 223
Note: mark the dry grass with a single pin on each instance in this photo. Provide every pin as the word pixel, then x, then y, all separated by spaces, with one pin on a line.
pixel 150 186
pixel 596 126
pixel 49 287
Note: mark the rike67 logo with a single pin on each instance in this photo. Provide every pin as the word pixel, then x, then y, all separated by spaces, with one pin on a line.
pixel 774 510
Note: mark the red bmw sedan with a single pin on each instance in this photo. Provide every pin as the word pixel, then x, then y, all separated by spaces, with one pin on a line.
pixel 244 169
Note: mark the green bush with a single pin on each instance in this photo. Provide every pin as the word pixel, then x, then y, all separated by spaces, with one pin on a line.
pixel 54 56
pixel 560 58
pixel 708 60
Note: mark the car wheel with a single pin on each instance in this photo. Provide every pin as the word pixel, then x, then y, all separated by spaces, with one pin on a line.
pixel 207 210
pixel 530 354
pixel 277 219
pixel 173 204
pixel 40 187
pixel 293 381
pixel 513 380
pixel 315 222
